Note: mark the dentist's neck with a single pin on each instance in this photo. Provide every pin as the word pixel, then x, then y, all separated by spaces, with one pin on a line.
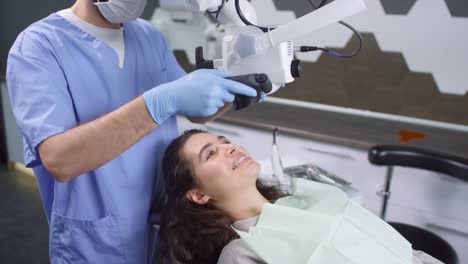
pixel 88 12
pixel 247 204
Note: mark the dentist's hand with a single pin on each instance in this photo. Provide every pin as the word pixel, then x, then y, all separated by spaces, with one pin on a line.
pixel 198 94
pixel 264 95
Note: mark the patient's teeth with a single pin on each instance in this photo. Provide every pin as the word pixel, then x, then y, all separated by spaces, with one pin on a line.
pixel 238 162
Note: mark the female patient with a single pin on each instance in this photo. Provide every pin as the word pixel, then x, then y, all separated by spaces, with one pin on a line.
pixel 211 186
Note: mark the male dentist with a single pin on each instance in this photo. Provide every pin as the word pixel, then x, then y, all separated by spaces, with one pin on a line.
pixel 95 91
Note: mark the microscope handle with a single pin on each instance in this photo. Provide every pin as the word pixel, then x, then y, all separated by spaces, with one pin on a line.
pixel 260 82
pixel 393 155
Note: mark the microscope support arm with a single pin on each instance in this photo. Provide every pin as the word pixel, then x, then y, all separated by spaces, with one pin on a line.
pixel 322 17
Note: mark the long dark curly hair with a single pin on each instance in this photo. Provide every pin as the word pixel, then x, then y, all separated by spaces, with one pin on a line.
pixel 190 232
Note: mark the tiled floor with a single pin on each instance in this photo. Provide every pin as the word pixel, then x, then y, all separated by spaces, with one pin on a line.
pixel 23 224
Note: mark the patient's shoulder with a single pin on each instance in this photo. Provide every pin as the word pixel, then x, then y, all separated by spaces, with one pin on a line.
pixel 237 252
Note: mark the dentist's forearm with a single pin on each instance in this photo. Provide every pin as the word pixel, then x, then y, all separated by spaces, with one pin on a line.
pixel 91 145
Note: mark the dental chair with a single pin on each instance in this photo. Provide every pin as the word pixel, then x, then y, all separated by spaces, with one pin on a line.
pixel 406 156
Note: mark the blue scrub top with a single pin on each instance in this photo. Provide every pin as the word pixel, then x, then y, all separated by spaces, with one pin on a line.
pixel 59 77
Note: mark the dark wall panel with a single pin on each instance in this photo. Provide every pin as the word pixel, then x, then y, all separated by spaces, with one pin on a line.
pixel 15 16
pixel 3 145
pixel 397 7
pixel 458 8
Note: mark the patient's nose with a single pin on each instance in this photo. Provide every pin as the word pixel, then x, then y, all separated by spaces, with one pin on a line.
pixel 230 150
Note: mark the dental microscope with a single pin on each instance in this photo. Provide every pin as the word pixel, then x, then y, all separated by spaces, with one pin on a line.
pixel 259 56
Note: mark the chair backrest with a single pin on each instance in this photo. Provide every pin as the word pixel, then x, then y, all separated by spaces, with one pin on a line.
pixel 428 242
pixel 392 155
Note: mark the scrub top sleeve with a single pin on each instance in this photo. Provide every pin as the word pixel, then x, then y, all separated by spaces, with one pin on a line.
pixel 174 71
pixel 40 100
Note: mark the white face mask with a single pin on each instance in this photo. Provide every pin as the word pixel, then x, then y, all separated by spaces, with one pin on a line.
pixel 120 11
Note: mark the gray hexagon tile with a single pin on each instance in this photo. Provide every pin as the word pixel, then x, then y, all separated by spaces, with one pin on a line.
pixel 299 8
pixel 397 7
pixel 458 8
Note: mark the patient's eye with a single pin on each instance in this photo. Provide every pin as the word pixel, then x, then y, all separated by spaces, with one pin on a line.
pixel 224 140
pixel 210 154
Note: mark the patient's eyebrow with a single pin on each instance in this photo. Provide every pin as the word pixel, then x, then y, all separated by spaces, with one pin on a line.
pixel 220 138
pixel 203 149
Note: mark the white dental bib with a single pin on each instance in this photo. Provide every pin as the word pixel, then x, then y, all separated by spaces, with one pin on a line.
pixel 320 225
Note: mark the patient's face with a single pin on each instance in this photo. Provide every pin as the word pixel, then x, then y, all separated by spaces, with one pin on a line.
pixel 221 169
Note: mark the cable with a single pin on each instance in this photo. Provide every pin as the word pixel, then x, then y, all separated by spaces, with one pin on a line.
pixel 302 48
pixel 220 7
pixel 239 13
pixel 332 52
pixel 320 5
pixel 358 35
pixel 246 21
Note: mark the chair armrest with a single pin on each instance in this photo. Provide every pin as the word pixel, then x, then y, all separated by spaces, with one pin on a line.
pixel 391 155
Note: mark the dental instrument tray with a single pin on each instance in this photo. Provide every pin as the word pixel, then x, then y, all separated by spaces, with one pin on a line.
pixel 315 173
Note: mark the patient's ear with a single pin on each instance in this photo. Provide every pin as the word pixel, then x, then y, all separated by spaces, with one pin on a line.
pixel 197 196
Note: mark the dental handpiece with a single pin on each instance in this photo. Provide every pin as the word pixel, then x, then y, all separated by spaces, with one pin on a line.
pixel 284 180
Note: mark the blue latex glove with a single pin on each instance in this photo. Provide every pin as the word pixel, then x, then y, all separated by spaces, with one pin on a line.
pixel 199 94
pixel 264 95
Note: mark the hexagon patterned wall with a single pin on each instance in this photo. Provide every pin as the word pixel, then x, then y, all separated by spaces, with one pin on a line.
pixel 432 36
pixel 378 81
pixel 414 61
